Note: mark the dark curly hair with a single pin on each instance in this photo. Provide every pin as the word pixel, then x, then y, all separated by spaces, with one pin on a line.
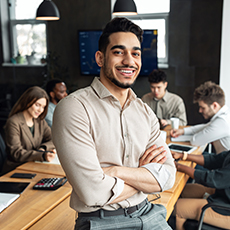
pixel 118 25
pixel 157 76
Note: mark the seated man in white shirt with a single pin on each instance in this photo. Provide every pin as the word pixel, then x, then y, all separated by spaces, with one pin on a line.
pixel 56 89
pixel 211 100
pixel 164 104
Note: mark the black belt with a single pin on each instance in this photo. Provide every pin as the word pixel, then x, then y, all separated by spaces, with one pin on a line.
pixel 117 212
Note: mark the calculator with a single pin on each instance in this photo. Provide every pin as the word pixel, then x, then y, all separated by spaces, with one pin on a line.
pixel 50 183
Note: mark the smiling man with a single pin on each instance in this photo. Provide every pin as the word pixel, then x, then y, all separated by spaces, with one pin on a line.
pixel 109 144
pixel 211 100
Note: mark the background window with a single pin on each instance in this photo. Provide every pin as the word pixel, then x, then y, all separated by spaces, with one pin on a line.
pixel 153 14
pixel 27 35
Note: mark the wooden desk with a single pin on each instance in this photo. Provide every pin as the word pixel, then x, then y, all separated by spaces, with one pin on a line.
pixel 166 200
pixel 181 178
pixel 47 210
pixel 48 168
pixel 61 217
pixel 32 205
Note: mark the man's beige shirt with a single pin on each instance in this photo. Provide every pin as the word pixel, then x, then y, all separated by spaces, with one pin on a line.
pixel 90 131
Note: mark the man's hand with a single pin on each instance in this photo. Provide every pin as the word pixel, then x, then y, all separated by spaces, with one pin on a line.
pixel 185 169
pixel 163 122
pixel 176 132
pixel 50 155
pixel 177 155
pixel 153 155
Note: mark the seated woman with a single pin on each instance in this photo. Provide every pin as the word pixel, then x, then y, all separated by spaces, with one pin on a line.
pixel 27 135
pixel 211 186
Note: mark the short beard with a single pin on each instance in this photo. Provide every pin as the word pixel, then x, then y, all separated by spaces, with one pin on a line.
pixel 111 77
pixel 119 84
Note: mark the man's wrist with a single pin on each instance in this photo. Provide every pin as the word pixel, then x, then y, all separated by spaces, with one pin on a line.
pixel 185 156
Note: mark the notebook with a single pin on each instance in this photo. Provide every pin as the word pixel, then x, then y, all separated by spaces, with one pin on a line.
pixel 181 138
pixel 9 192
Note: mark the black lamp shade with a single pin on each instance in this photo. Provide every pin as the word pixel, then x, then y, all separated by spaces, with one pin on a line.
pixel 124 7
pixel 47 11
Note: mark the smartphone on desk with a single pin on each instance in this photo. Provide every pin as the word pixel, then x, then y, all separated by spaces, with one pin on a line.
pixel 23 175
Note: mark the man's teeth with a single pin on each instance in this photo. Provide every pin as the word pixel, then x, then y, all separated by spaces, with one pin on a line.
pixel 126 71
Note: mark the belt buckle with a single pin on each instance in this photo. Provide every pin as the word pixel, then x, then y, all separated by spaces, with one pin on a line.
pixel 126 211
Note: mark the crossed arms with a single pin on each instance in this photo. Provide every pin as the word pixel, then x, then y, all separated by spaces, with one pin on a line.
pixel 138 179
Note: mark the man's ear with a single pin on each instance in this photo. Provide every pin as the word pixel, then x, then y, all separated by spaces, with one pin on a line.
pixel 216 106
pixel 99 56
pixel 52 94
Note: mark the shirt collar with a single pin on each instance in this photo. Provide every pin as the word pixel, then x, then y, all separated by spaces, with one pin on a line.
pixel 164 98
pixel 221 111
pixel 52 104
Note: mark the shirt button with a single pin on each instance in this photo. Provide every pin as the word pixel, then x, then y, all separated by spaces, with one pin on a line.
pixel 127 156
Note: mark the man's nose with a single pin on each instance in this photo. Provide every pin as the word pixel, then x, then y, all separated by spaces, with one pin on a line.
pixel 128 60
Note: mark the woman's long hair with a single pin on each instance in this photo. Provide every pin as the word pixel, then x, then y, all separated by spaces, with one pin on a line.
pixel 28 98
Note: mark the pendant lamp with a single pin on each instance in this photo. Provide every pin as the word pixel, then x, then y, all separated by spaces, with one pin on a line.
pixel 47 10
pixel 124 7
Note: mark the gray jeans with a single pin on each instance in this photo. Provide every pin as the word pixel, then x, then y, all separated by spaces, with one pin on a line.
pixel 149 217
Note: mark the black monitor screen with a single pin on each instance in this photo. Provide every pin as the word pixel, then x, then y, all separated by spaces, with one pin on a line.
pixel 88 45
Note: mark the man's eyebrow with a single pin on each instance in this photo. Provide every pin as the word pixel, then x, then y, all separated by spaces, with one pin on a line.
pixel 136 48
pixel 123 47
pixel 118 47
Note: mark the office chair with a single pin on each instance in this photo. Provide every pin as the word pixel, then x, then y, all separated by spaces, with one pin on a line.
pixel 2 152
pixel 199 225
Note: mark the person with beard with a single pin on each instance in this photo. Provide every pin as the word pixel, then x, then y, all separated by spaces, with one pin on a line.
pixel 109 144
pixel 211 100
pixel 56 89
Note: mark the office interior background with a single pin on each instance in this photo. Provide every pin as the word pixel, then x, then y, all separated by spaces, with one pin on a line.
pixel 194 49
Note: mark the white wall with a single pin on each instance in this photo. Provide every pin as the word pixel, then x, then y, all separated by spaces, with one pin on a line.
pixel 225 52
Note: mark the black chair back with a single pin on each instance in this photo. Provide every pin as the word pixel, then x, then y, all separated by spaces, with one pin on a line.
pixel 199 225
pixel 2 153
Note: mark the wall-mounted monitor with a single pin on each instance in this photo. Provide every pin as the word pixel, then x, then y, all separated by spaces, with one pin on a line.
pixel 88 45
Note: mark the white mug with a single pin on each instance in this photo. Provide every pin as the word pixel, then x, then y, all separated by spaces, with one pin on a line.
pixel 174 122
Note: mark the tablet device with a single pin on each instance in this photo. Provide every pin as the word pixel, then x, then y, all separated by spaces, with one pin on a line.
pixel 12 187
pixel 181 148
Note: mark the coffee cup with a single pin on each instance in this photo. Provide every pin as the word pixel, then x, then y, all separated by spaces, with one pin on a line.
pixel 174 122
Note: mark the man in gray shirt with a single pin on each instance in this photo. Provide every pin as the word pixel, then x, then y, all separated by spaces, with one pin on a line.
pixel 109 144
pixel 163 103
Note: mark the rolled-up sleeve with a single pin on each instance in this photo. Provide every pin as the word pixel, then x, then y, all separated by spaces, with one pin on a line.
pixel 164 173
pixel 78 155
pixel 160 172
